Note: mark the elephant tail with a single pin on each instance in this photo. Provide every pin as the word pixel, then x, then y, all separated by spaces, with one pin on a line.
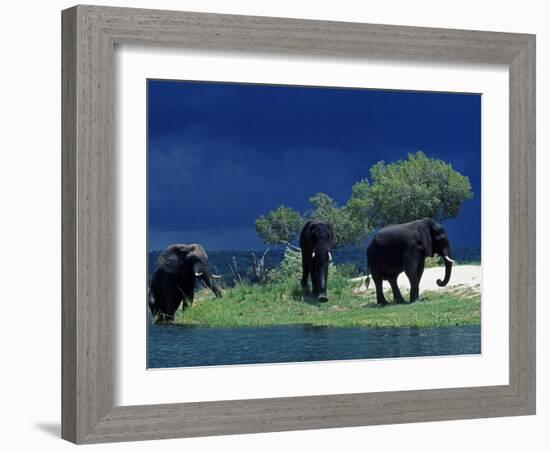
pixel 367 278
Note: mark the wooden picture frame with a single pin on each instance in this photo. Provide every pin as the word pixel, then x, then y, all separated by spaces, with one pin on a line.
pixel 89 37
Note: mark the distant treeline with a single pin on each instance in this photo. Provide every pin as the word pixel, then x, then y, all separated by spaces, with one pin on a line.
pixel 223 262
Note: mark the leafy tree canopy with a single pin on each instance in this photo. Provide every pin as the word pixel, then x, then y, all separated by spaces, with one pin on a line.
pixel 415 188
pixel 350 222
pixel 280 226
pixel 399 192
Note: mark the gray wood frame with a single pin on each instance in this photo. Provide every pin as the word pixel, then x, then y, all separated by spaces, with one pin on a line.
pixel 89 36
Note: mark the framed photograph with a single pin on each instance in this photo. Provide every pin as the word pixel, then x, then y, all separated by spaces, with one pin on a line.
pixel 335 219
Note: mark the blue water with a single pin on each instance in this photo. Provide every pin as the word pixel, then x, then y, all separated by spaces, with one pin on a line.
pixel 177 346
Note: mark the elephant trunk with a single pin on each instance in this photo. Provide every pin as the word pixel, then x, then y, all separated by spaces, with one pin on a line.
pixel 448 268
pixel 214 288
pixel 203 272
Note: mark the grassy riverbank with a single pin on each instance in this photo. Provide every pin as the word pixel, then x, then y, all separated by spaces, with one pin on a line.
pixel 282 303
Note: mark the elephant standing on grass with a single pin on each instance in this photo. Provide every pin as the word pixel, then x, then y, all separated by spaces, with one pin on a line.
pixel 316 241
pixel 403 248
pixel 173 281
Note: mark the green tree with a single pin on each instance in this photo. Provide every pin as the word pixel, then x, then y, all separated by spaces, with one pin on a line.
pixel 279 227
pixel 350 222
pixel 415 188
pixel 357 209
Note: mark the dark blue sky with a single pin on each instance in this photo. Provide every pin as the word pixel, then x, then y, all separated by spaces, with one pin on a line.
pixel 221 154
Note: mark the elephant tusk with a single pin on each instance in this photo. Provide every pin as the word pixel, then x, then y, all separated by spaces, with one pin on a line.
pixel 198 274
pixel 329 257
pixel 449 259
pixel 217 276
pixel 313 255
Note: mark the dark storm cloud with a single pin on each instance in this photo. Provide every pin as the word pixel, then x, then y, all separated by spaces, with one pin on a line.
pixel 221 154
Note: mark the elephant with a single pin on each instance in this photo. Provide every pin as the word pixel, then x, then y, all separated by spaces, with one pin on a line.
pixel 173 281
pixel 316 242
pixel 404 247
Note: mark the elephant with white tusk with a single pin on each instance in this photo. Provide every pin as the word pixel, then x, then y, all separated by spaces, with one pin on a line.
pixel 403 248
pixel 316 242
pixel 173 281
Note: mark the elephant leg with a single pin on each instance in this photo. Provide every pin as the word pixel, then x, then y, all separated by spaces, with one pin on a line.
pixel 380 300
pixel 164 296
pixel 173 296
pixel 305 272
pixel 314 282
pixel 157 295
pixel 172 301
pixel 188 294
pixel 178 299
pixel 419 273
pixel 397 297
pixel 412 275
pixel 163 308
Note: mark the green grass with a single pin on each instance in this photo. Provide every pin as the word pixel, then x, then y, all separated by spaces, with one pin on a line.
pixel 283 303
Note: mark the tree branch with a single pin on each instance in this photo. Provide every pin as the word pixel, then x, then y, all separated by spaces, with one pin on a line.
pixel 289 245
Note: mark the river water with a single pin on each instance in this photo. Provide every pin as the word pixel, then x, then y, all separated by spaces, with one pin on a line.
pixel 179 346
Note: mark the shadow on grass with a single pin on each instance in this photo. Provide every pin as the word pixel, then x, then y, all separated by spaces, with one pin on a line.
pixel 299 295
pixel 392 303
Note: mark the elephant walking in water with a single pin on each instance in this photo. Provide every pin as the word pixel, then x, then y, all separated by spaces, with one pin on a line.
pixel 173 281
pixel 316 241
pixel 403 248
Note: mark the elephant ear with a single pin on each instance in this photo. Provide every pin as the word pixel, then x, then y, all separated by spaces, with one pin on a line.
pixel 172 258
pixel 332 241
pixel 426 237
